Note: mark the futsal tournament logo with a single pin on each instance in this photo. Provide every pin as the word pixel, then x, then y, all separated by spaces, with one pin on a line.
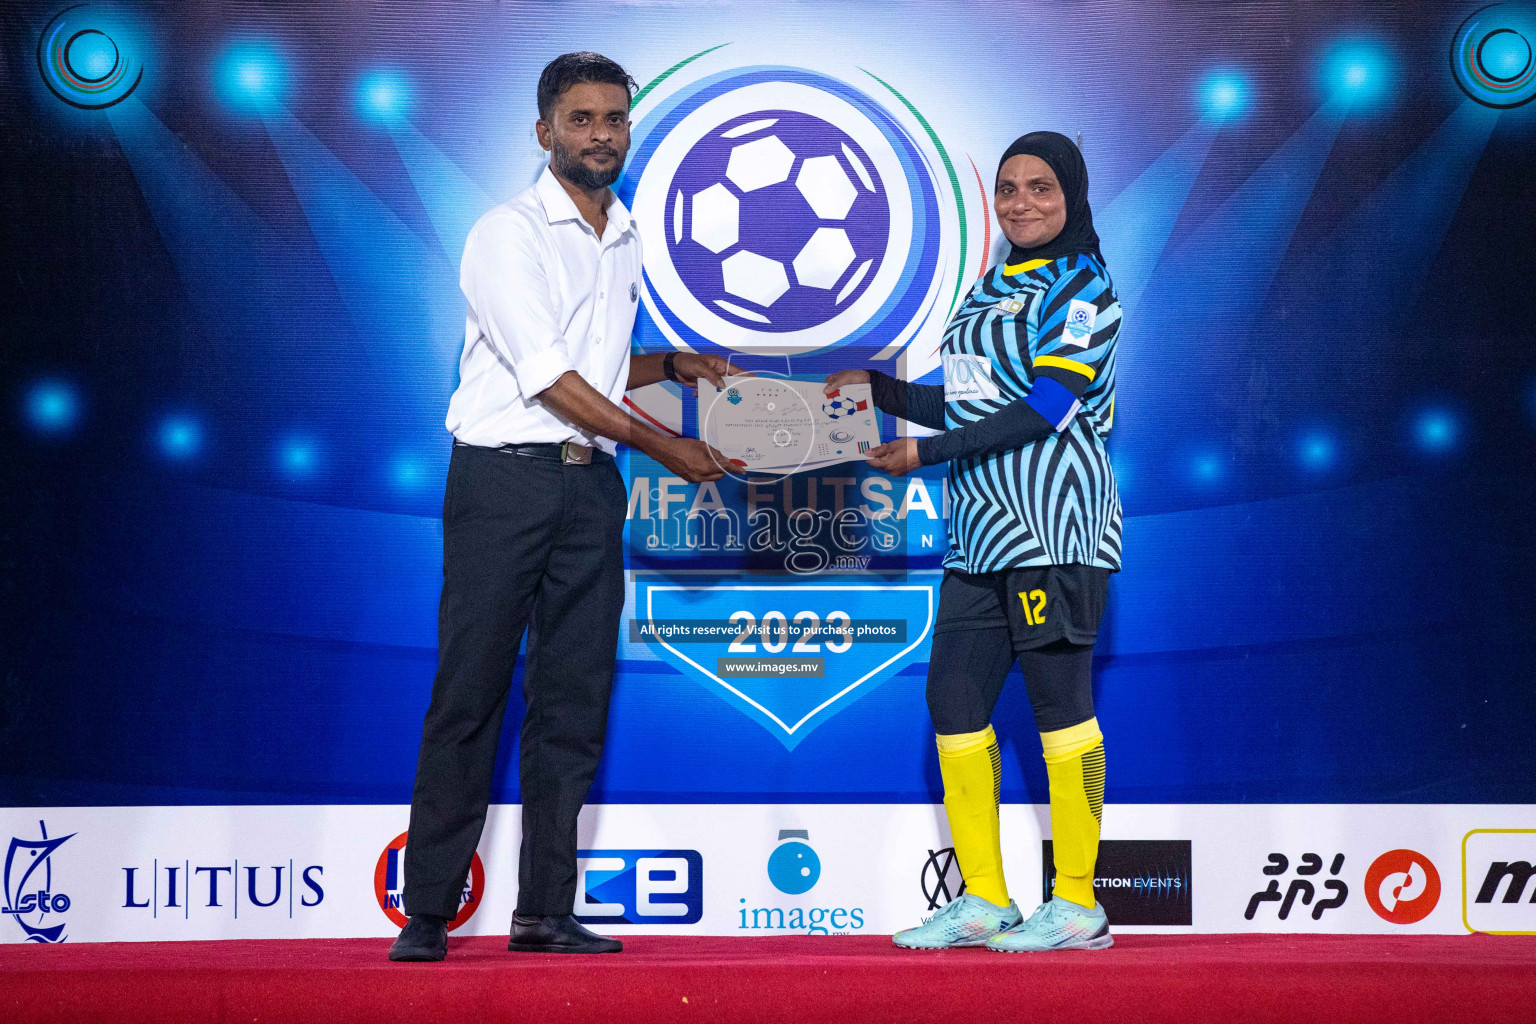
pixel 789 212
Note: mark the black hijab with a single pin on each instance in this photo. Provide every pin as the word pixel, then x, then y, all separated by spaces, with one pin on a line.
pixel 1077 234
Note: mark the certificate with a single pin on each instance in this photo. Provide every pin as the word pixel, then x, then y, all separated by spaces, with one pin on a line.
pixel 786 426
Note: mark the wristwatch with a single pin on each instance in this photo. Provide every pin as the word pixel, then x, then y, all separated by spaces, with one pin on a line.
pixel 669 369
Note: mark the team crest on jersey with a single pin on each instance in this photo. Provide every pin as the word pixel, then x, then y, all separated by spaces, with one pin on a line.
pixel 1079 326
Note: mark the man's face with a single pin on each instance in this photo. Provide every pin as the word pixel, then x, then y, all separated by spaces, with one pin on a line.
pixel 1031 206
pixel 587 134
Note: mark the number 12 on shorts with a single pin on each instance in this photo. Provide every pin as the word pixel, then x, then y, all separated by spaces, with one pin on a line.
pixel 1035 615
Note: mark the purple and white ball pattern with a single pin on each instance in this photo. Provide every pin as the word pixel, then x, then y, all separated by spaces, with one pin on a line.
pixel 777 220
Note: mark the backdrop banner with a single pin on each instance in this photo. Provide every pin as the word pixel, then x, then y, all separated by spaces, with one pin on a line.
pixel 233 323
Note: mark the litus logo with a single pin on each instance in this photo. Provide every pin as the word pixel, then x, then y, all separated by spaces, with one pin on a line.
pixel 639 886
pixel 389 884
pixel 180 887
pixel 29 892
pixel 1402 886
pixel 1304 887
pixel 1498 881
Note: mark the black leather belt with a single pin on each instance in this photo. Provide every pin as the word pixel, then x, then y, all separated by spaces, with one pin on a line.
pixel 570 453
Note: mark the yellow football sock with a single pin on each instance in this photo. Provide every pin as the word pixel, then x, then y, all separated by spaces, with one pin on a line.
pixel 1074 761
pixel 972 769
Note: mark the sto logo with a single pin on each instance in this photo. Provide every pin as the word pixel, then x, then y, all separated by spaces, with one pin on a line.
pixel 1402 886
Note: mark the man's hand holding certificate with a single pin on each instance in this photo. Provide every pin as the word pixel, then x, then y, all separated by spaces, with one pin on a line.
pixel 787 426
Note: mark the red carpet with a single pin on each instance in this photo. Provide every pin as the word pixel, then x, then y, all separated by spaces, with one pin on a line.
pixel 1144 979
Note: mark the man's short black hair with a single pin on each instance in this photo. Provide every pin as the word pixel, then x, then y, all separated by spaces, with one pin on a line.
pixel 570 69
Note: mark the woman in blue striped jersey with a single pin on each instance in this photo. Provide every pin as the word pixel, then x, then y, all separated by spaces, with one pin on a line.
pixel 1027 401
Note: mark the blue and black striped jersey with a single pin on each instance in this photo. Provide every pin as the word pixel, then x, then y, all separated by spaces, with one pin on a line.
pixel 1052 502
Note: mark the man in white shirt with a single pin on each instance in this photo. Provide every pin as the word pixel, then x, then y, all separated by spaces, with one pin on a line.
pixel 534 513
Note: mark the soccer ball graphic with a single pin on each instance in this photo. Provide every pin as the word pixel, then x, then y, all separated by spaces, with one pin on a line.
pixel 777 220
pixel 837 408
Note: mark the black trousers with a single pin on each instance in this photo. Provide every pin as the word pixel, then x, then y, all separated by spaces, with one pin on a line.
pixel 527 543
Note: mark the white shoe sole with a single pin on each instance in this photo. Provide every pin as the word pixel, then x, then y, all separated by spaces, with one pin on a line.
pixel 1102 942
pixel 967 944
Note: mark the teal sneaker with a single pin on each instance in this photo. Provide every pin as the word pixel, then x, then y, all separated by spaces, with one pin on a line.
pixel 967 921
pixel 1057 924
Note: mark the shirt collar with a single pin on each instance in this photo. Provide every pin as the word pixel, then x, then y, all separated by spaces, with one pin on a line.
pixel 558 205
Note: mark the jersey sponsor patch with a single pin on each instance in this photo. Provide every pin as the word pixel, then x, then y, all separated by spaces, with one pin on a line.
pixel 1079 326
pixel 1009 305
pixel 968 378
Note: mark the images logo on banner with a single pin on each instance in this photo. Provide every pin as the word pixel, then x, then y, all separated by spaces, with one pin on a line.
pixel 794 869
pixel 389 884
pixel 1304 887
pixel 1139 881
pixel 1402 886
pixel 29 892
pixel 639 886
pixel 1498 881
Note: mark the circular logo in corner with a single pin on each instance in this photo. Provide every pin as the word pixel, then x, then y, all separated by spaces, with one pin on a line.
pixel 1492 55
pixel 1402 886
pixel 87 60
pixel 389 885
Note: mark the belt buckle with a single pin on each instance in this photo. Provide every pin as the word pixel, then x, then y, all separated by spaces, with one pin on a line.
pixel 573 454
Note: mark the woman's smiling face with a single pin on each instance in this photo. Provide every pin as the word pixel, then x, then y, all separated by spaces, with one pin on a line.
pixel 1030 205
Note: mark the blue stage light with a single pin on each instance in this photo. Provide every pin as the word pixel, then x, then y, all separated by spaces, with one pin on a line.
pixel 383 97
pixel 1224 95
pixel 180 437
pixel 1361 70
pixel 407 473
pixel 94 55
pixel 1318 451
pixel 252 78
pixel 1207 468
pixel 297 457
pixel 1437 430
pixel 52 407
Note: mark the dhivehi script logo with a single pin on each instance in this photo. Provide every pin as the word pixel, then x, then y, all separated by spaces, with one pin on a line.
pixel 786 212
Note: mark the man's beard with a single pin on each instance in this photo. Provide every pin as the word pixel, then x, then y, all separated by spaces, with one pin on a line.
pixel 567 163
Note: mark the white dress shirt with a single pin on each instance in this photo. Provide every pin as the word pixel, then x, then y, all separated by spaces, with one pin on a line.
pixel 546 296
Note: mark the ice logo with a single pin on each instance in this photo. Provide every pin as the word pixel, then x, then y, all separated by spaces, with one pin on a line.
pixel 784 212
pixel 793 867
pixel 777 219
pixel 28 892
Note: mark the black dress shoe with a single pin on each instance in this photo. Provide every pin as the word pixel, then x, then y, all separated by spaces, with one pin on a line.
pixel 424 938
pixel 561 933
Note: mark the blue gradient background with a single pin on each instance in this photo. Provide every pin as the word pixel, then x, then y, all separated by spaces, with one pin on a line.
pixel 232 324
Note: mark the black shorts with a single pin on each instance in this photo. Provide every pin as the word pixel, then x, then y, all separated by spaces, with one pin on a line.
pixel 1039 606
